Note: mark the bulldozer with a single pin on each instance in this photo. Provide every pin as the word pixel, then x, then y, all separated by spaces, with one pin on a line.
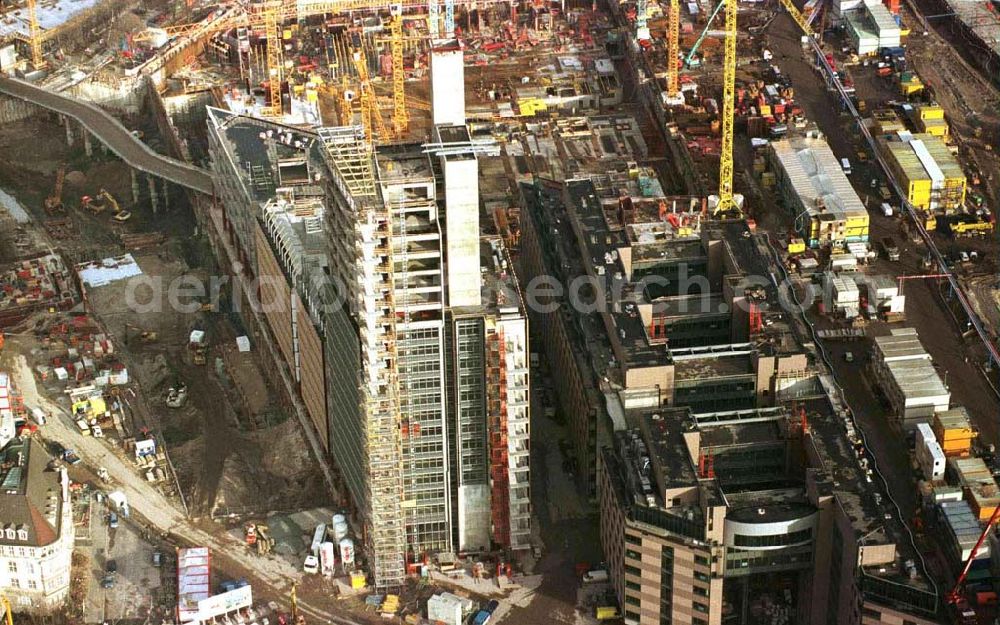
pixel 54 203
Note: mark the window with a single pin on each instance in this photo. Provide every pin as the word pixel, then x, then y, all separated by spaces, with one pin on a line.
pixel 632 616
pixel 632 600
pixel 632 585
pixel 32 585
pixel 698 621
pixel 701 560
pixel 698 590
pixel 22 534
pixel 633 540
pixel 10 533
pixel 700 607
pixel 633 570
pixel 15 583
pixel 701 577
pixel 12 567
pixel 635 555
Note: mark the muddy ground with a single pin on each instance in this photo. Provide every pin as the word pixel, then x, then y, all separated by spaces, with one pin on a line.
pixel 239 454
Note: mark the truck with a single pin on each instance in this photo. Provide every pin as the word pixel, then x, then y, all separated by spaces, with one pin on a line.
pixel 595 576
pixel 482 617
pixel 70 457
pixel 890 248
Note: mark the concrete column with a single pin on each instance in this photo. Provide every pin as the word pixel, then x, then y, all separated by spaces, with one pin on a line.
pixel 88 149
pixel 152 192
pixel 166 195
pixel 69 129
pixel 135 186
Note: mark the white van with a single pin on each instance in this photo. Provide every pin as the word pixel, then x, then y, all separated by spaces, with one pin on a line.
pixel 846 166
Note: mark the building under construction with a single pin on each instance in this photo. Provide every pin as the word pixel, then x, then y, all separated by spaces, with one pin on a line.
pixel 402 325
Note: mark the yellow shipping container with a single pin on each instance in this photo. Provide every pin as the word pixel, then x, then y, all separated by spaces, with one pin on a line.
pixel 931 111
pixel 796 246
pixel 934 127
pixel 765 110
pixel 358 580
pixel 606 612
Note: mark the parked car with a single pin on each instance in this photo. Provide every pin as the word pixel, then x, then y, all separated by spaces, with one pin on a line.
pixel 108 582
pixel 157 558
pixel 111 567
pixel 113 520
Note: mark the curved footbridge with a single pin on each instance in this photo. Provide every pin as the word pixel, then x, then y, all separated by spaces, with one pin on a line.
pixel 112 134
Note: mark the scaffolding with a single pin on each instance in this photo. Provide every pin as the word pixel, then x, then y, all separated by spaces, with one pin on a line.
pixel 496 374
pixel 352 158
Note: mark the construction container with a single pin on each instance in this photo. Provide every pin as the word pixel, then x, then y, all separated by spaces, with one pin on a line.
pixel 927 170
pixel 908 379
pixel 910 83
pixel 961 530
pixel 358 580
pixel 811 181
pixel 929 455
pixel 954 431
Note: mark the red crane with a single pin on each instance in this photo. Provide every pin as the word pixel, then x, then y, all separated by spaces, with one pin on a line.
pixel 955 595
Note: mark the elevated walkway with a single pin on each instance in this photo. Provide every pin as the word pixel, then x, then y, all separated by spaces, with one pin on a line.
pixel 112 134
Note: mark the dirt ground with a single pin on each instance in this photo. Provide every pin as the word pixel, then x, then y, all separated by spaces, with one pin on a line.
pixel 233 455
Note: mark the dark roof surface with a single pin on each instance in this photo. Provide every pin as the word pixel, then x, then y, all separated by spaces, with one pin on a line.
pixel 30 496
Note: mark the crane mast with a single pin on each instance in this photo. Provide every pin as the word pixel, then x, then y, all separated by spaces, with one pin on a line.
pixel 35 36
pixel 400 118
pixel 673 49
pixel 727 203
pixel 271 15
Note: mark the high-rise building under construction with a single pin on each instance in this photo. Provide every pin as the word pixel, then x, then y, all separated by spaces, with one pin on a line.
pixel 415 319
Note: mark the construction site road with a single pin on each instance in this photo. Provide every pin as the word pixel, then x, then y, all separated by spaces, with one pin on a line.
pixel 271 576
pixel 113 134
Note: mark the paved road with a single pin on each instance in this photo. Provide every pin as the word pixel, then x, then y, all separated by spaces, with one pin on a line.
pixel 113 134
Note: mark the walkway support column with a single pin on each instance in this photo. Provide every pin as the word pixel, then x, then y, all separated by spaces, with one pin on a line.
pixel 152 192
pixel 135 185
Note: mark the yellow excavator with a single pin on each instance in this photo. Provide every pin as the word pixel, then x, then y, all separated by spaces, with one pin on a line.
pixel 104 199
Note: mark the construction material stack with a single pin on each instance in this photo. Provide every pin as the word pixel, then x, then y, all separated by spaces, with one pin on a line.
pixel 908 379
pixel 960 530
pixel 978 485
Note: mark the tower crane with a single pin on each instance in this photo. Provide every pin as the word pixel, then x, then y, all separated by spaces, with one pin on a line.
pixel 727 204
pixel 35 36
pixel 271 11
pixel 673 50
pixel 371 114
pixel 400 118
pixel 8 615
pixel 800 19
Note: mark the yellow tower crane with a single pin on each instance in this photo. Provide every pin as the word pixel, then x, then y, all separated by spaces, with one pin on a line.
pixel 35 36
pixel 673 50
pixel 400 118
pixel 371 115
pixel 8 615
pixel 272 15
pixel 727 204
pixel 797 15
